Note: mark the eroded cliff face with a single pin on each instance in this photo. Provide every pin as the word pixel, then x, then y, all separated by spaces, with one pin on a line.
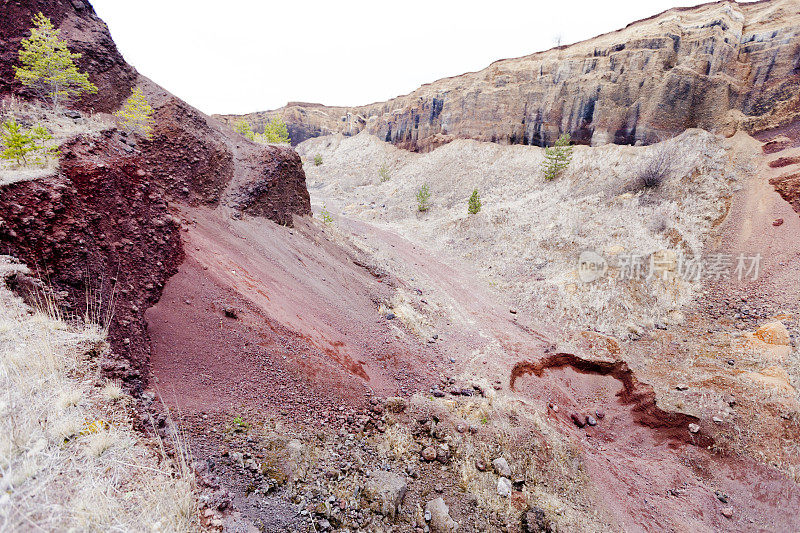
pixel 718 66
pixel 108 219
pixel 101 234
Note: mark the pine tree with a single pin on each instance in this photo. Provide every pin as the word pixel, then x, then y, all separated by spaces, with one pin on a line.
pixel 19 143
pixel 384 174
pixel 474 204
pixel 243 127
pixel 136 114
pixel 275 132
pixel 423 195
pixel 557 158
pixel 48 67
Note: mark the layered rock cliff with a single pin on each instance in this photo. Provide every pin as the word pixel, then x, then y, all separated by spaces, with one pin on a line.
pixel 718 66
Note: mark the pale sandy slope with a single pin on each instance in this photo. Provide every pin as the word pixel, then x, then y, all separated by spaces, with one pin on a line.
pixel 529 235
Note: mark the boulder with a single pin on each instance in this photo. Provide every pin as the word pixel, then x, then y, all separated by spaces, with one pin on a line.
pixel 535 521
pixel 773 333
pixel 504 487
pixel 385 491
pixel 501 467
pixel 438 515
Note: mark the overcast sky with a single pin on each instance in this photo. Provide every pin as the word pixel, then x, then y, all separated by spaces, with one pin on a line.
pixel 239 56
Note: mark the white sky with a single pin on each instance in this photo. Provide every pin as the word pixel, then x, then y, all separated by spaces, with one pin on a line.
pixel 239 56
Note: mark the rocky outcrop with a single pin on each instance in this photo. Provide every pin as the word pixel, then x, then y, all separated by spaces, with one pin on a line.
pixel 717 66
pixel 273 187
pixel 84 32
pixel 190 158
pixel 100 233
pixel 102 222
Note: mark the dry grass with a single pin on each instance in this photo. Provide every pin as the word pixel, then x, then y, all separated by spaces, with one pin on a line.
pixel 69 456
pixel 60 126
pixel 529 234
pixel 551 465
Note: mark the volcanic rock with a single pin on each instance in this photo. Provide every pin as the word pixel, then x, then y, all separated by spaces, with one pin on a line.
pixel 718 66
pixel 438 514
pixel 385 491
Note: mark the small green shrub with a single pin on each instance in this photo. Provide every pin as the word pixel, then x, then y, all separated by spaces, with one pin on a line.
pixel 243 127
pixel 136 114
pixel 423 196
pixel 240 424
pixel 19 143
pixel 474 204
pixel 326 216
pixel 317 160
pixel 275 132
pixel 557 158
pixel 383 173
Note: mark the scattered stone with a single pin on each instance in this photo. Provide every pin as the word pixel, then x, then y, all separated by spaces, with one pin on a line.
pixel 578 419
pixel 504 487
pixel 591 421
pixel 727 512
pixel 480 465
pixel 70 113
pixel 429 453
pixel 535 521
pixel 438 488
pixel 231 312
pixel 721 496
pixel 501 467
pixel 438 516
pixel 385 491
pixel 777 222
pixel 600 414
pixel 694 428
pixel 443 454
pixel 773 333
pixel 512 311
pixel 717 420
pixel 461 427
pixel 437 393
pixel 681 387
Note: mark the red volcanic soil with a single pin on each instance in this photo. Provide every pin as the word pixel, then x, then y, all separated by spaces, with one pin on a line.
pixel 306 332
pixel 650 472
pixel 99 225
